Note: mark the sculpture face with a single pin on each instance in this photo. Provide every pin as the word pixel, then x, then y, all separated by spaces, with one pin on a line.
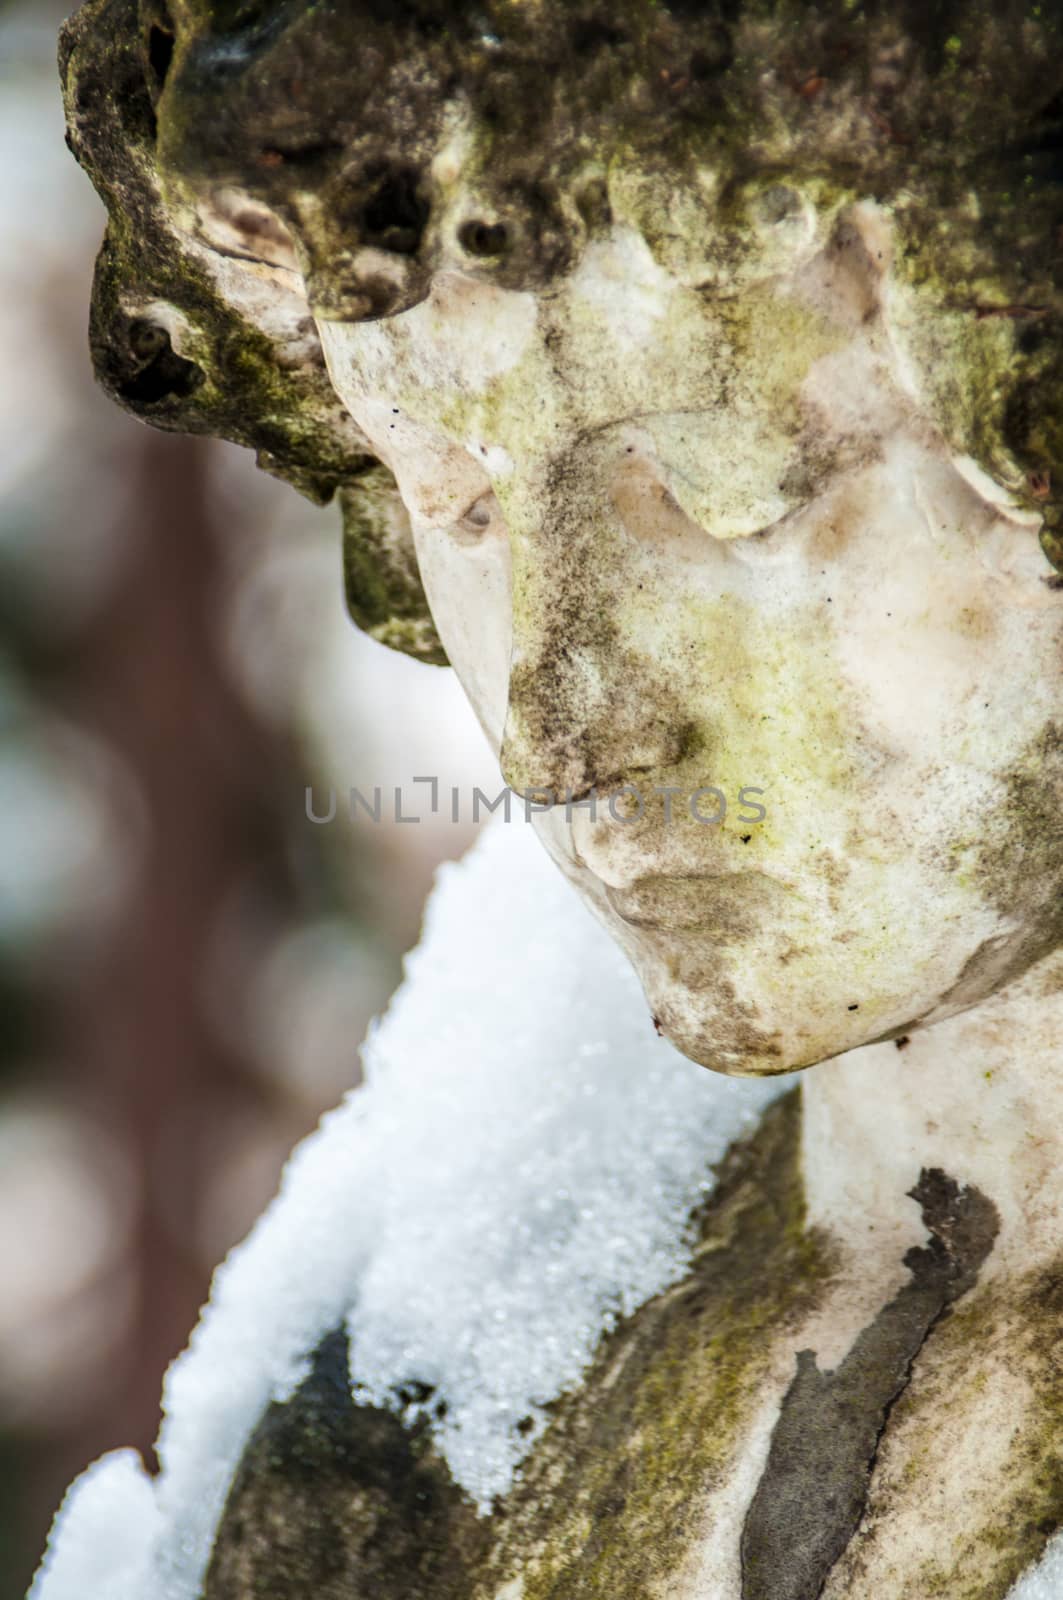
pixel 680 530
pixel 682 428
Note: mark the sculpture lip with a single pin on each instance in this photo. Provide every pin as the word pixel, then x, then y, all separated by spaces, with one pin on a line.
pixel 704 901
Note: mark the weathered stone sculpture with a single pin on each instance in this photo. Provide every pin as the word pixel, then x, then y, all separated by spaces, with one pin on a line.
pixel 691 378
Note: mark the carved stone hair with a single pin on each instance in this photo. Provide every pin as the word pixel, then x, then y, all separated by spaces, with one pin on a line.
pixel 261 157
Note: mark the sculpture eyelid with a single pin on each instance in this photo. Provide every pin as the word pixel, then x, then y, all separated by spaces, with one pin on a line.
pixel 480 513
pixel 480 520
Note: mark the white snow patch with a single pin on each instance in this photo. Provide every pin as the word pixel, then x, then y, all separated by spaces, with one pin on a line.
pixel 1045 1581
pixel 109 1521
pixel 517 1171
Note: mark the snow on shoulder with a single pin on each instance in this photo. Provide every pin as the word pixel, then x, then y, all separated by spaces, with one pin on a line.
pixel 1045 1581
pixel 517 1171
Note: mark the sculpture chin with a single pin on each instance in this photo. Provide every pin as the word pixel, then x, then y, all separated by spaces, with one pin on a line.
pixel 754 1009
pixel 736 1038
pixel 739 1047
pixel 705 1051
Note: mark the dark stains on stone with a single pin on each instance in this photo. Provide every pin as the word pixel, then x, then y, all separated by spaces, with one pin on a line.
pixel 1019 870
pixel 814 1488
pixel 339 1500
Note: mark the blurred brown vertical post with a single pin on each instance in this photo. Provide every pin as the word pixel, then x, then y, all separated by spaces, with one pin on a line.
pixel 140 1053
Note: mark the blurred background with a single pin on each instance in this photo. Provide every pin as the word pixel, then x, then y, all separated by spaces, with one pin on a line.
pixel 187 963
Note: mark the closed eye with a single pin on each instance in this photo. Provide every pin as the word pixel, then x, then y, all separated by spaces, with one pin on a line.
pixel 482 518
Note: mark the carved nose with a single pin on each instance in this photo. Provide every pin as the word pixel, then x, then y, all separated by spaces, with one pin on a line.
pixel 586 708
pixel 574 723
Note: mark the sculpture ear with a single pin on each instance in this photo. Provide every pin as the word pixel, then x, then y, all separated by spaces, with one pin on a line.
pixel 1034 426
pixel 381 578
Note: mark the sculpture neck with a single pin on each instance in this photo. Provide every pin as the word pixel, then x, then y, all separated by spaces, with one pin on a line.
pixel 979 1095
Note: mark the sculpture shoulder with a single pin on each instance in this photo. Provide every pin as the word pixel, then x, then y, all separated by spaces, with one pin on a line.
pixel 336 1499
pixel 709 1448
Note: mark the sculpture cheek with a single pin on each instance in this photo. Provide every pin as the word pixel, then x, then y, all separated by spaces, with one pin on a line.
pixel 1017 862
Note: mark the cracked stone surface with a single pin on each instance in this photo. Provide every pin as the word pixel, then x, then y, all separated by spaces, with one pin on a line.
pixel 813 1493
